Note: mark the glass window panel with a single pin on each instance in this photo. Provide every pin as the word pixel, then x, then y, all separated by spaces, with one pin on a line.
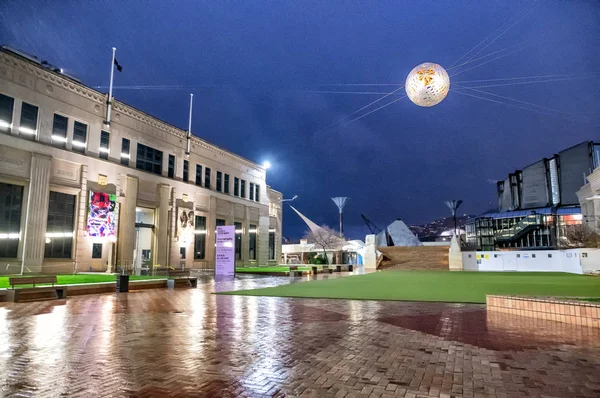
pixel 59 229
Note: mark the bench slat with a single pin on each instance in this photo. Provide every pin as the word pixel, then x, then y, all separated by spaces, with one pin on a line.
pixel 31 280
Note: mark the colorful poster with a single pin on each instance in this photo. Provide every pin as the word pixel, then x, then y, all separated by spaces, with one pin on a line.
pixel 101 216
pixel 225 264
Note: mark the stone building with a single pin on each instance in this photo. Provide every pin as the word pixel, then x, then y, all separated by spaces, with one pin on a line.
pixel 79 194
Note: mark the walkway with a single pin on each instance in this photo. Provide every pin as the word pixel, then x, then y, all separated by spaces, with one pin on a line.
pixel 161 343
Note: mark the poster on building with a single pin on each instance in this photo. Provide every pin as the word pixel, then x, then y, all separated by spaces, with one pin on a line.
pixel 101 215
pixel 225 264
pixel 185 224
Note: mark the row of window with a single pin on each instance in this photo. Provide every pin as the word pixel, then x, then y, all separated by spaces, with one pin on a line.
pixel 60 222
pixel 147 159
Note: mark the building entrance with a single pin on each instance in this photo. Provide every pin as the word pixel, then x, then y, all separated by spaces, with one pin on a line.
pixel 144 241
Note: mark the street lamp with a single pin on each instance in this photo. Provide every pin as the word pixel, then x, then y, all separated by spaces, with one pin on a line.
pixel 289 200
pixel 266 164
pixel 453 205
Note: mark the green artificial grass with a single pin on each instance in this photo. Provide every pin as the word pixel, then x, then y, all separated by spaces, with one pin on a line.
pixel 592 299
pixel 267 269
pixel 455 287
pixel 79 278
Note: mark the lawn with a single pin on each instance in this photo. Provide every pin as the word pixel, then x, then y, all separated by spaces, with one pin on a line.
pixel 456 287
pixel 79 278
pixel 242 270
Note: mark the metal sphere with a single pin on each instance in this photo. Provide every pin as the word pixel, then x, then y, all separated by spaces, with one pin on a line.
pixel 427 84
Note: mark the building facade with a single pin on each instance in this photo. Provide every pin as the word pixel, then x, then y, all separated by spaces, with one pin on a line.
pixel 77 194
pixel 538 204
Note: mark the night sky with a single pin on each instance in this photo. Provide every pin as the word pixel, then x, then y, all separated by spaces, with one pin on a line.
pixel 255 68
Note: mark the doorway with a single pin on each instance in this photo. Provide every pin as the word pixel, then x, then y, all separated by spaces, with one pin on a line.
pixel 144 241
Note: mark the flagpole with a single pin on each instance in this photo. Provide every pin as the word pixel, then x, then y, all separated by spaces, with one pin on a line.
pixel 112 74
pixel 189 134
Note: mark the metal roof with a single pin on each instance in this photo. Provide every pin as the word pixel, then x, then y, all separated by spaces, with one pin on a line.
pixel 523 213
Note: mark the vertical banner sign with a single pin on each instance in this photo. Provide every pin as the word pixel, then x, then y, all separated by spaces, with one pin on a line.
pixel 101 215
pixel 225 250
pixel 185 224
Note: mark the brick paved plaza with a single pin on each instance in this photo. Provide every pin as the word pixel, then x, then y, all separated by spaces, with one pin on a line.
pixel 189 342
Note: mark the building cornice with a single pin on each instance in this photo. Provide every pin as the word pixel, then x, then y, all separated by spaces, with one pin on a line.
pixel 52 77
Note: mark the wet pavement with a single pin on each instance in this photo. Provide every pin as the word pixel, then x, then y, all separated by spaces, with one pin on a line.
pixel 189 342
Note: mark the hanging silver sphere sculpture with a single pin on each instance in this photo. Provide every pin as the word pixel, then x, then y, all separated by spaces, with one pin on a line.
pixel 427 84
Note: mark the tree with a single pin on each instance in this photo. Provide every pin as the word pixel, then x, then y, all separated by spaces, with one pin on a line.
pixel 579 235
pixel 326 239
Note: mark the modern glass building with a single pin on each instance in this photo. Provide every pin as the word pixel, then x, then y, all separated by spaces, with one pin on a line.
pixel 537 204
pixel 77 193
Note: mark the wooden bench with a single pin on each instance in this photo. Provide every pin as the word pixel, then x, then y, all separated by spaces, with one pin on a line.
pixel 294 271
pixel 180 276
pixel 327 269
pixel 36 293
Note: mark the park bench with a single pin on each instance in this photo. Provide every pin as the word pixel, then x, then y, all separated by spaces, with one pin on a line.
pixel 327 269
pixel 36 293
pixel 294 271
pixel 180 276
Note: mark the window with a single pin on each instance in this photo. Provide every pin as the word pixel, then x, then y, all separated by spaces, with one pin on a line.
pixel 219 222
pixel 59 131
pixel 252 242
pixel 200 238
pixel 226 183
pixel 236 186
pixel 256 193
pixel 533 256
pixel 149 159
pixel 207 177
pixel 97 250
pixel 219 181
pixel 186 170
pixel 518 256
pixel 7 105
pixel 59 229
pixel 251 191
pixel 29 118
pixel 582 255
pixel 104 144
pixel 171 170
pixel 11 199
pixel 243 189
pixel 125 152
pixel 198 175
pixel 271 245
pixel 182 253
pixel 79 137
pixel 549 255
pixel 238 240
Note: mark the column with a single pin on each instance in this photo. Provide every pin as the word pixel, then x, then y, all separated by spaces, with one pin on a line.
pixel 211 240
pixel 83 252
pixel 37 212
pixel 246 237
pixel 262 257
pixel 174 252
pixel 161 225
pixel 127 203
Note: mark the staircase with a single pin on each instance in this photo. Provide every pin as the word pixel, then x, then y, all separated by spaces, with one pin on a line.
pixel 520 229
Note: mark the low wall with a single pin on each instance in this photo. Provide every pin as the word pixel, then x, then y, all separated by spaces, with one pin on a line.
pixel 414 258
pixel 531 260
pixel 580 313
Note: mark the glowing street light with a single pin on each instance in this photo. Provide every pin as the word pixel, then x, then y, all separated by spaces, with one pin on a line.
pixel 267 164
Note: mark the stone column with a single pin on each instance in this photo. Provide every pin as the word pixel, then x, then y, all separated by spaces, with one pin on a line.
pixel 37 212
pixel 246 237
pixel 126 240
pixel 161 225
pixel 83 251
pixel 174 252
pixel 262 239
pixel 211 240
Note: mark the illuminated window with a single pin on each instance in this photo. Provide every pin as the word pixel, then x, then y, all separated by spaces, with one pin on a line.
pixel 125 144
pixel 7 105
pixel 11 199
pixel 252 242
pixel 97 250
pixel 59 228
pixel 200 238
pixel 29 119
pixel 79 137
pixel 238 240
pixel 104 144
pixel 59 131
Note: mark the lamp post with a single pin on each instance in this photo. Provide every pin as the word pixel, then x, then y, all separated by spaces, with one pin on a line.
pixel 453 205
pixel 340 202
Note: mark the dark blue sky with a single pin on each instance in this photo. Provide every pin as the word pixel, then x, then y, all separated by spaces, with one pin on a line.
pixel 254 67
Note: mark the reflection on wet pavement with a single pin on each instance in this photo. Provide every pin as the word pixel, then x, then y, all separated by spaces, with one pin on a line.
pixel 190 342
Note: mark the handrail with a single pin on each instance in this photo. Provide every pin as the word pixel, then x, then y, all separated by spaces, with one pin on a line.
pixel 528 221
